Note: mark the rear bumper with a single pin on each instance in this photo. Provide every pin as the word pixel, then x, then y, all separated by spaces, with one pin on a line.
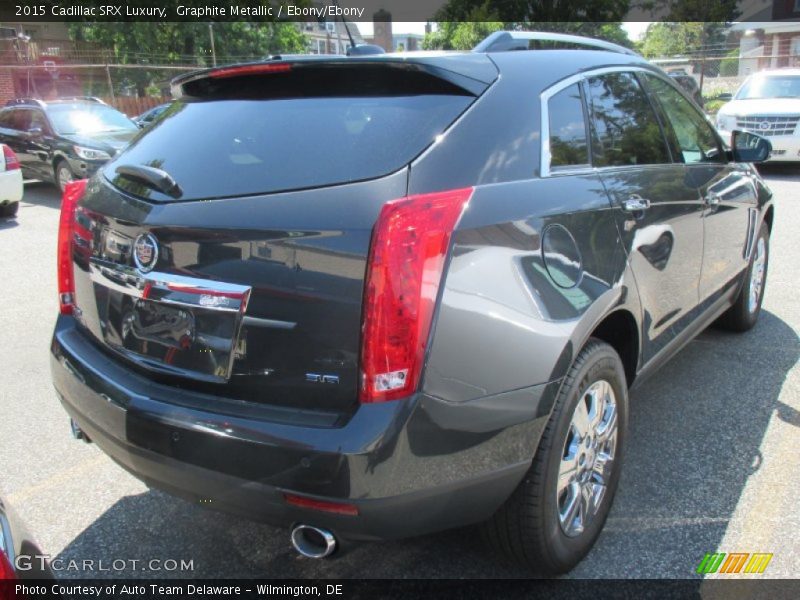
pixel 411 467
pixel 10 186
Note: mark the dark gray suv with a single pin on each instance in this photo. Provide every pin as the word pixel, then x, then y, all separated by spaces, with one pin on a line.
pixel 375 297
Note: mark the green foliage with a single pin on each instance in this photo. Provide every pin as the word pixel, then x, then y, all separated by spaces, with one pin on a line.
pixel 459 36
pixel 729 66
pixel 187 43
pixel 712 106
pixel 680 39
pixel 464 23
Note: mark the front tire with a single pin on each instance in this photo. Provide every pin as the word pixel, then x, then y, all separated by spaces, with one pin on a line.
pixel 743 315
pixel 555 515
pixel 63 174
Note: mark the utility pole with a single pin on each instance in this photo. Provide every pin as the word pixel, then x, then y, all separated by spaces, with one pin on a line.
pixel 213 50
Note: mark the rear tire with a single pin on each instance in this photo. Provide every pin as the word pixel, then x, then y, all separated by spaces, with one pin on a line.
pixel 9 210
pixel 536 527
pixel 743 315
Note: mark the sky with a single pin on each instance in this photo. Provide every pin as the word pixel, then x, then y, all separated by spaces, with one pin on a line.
pixel 635 28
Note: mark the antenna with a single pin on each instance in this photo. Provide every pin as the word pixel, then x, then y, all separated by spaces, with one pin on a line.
pixel 346 28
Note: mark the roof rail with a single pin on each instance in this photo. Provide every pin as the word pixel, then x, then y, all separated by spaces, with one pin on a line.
pixel 504 41
pixel 26 102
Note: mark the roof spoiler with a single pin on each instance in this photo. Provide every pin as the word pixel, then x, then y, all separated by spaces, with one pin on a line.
pixel 465 72
pixel 505 41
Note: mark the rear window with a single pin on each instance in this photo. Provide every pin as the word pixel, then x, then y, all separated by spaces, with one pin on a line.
pixel 236 147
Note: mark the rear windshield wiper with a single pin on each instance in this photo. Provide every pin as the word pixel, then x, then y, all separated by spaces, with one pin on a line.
pixel 153 178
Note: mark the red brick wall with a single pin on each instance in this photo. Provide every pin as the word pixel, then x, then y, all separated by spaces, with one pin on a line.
pixel 7 91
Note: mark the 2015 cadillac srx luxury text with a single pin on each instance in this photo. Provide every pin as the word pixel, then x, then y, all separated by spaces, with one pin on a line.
pixel 368 298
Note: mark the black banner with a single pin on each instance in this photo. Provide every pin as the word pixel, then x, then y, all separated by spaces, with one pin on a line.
pixel 509 11
pixel 574 589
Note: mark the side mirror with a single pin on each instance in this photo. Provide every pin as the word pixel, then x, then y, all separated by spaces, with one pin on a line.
pixel 749 148
pixel 726 97
pixel 35 131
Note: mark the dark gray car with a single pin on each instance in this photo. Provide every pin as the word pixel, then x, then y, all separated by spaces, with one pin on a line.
pixel 376 297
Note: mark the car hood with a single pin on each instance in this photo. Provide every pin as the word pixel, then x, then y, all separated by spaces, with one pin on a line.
pixel 110 140
pixel 767 106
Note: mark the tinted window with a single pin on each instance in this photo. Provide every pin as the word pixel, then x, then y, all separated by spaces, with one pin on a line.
pixel 626 131
pixel 7 119
pixel 568 139
pixel 22 119
pixel 238 147
pixel 694 135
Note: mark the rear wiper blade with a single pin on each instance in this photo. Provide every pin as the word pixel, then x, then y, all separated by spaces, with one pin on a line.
pixel 153 178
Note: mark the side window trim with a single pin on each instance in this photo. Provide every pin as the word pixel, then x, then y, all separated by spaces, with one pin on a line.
pixel 545 169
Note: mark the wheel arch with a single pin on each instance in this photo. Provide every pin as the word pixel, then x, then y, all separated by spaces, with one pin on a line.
pixel 619 330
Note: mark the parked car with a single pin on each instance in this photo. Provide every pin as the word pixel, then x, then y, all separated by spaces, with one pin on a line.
pixel 689 84
pixel 62 140
pixel 378 297
pixel 767 103
pixel 10 182
pixel 20 556
pixel 148 116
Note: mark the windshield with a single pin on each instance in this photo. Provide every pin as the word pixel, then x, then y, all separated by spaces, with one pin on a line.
pixel 770 87
pixel 80 118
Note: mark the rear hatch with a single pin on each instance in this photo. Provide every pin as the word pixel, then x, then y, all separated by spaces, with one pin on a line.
pixel 225 249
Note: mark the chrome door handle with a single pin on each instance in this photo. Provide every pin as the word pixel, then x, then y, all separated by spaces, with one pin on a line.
pixel 712 199
pixel 635 204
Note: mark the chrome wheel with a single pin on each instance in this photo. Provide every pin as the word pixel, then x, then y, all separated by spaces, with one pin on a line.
pixel 587 459
pixel 757 275
pixel 64 176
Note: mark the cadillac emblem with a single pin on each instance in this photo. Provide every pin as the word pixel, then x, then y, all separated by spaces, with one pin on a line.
pixel 145 252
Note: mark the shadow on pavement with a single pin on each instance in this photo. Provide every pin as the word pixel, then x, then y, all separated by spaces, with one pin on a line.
pixel 788 170
pixel 39 193
pixel 694 439
pixel 8 223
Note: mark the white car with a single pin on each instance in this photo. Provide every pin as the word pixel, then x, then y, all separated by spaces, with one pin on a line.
pixel 10 183
pixel 767 104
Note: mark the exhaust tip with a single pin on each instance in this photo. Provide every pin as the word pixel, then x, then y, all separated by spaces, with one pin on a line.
pixel 313 542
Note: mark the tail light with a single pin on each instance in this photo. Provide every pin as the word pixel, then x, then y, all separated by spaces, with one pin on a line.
pixel 407 254
pixel 6 571
pixel 66 279
pixel 258 69
pixel 12 162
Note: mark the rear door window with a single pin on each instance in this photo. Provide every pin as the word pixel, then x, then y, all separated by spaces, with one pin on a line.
pixel 626 130
pixel 233 147
pixel 569 142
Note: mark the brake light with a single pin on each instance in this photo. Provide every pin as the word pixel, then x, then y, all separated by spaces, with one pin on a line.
pixel 338 508
pixel 249 70
pixel 6 569
pixel 66 278
pixel 407 254
pixel 12 162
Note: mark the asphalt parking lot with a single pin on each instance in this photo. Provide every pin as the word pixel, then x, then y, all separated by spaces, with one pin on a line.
pixel 712 462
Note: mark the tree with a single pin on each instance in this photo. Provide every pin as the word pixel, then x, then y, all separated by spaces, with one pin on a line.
pixel 464 23
pixel 187 43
